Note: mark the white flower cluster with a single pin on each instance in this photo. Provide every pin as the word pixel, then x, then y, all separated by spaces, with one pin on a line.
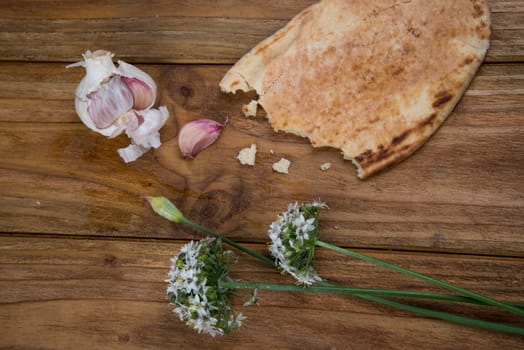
pixel 193 289
pixel 293 236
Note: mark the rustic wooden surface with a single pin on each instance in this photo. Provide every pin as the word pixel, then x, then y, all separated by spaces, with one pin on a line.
pixel 83 258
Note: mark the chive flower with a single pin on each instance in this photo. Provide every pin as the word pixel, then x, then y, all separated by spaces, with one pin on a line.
pixel 293 237
pixel 194 288
pixel 199 285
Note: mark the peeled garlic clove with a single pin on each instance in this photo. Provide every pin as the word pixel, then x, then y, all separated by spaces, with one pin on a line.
pixel 198 134
pixel 108 103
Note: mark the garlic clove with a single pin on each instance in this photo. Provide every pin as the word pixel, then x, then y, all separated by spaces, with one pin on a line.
pixel 129 71
pixel 99 68
pixel 143 95
pixel 108 103
pixel 197 135
pixel 110 100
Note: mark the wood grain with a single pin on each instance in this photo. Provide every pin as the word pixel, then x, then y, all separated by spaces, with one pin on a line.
pixel 467 197
pixel 180 32
pixel 59 293
pixel 83 258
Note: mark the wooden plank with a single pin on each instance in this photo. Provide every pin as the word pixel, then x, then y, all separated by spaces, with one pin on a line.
pixel 270 9
pixel 65 179
pixel 60 293
pixel 44 93
pixel 221 35
pixel 71 9
pixel 62 186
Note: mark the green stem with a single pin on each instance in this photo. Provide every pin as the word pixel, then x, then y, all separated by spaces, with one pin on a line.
pixel 481 298
pixel 326 287
pixel 426 312
pixel 395 293
pixel 228 241
pixel 467 299
pixel 168 210
pixel 447 316
pixel 368 294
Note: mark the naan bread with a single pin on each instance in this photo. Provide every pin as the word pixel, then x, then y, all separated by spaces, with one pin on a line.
pixel 373 78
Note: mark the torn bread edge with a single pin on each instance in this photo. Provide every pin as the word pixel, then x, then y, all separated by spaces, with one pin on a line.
pixel 254 66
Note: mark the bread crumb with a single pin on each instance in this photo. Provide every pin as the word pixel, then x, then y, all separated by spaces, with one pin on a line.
pixel 250 110
pixel 282 166
pixel 325 166
pixel 246 156
pixel 271 151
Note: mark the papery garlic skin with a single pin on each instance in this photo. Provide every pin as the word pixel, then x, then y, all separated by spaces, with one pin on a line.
pixel 110 100
pixel 131 152
pixel 146 135
pixel 99 67
pixel 197 135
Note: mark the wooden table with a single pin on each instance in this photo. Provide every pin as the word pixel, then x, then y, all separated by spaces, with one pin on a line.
pixel 83 259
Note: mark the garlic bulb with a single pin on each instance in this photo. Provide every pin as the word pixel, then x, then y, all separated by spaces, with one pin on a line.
pixel 197 135
pixel 111 99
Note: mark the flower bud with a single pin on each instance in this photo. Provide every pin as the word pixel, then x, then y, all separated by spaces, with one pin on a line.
pixel 198 134
pixel 165 208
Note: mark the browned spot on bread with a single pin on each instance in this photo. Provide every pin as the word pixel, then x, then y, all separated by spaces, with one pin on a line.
pixel 482 32
pixel 428 120
pixel 478 11
pixel 331 51
pixel 398 139
pixel 370 157
pixel 263 48
pixel 382 152
pixel 235 83
pixel 413 31
pixel 442 98
pixel 364 155
pixel 467 61
pixel 356 130
pixel 397 71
